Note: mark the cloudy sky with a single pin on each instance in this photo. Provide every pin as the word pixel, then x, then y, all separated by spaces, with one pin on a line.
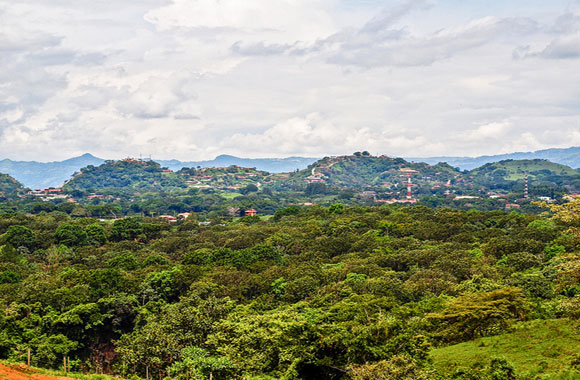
pixel 191 79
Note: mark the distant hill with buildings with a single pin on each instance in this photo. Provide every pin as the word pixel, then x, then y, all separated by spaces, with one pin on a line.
pixel 365 172
pixel 359 172
pixel 360 177
pixel 40 175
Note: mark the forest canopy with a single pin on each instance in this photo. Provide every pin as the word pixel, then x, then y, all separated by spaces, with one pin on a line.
pixel 338 292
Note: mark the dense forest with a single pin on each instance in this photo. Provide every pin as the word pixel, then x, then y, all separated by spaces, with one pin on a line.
pixel 361 292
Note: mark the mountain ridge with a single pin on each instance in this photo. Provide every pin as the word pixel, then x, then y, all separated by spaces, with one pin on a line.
pixel 34 174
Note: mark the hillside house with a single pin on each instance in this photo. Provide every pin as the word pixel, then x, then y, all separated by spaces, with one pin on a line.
pixel 250 212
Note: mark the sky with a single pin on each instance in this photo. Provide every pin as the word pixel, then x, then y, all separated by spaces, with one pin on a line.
pixel 192 79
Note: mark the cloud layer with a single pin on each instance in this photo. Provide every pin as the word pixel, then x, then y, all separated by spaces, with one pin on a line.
pixel 190 79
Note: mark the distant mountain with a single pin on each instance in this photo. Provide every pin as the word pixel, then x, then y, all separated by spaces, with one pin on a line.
pixel 568 156
pixel 271 165
pixel 40 175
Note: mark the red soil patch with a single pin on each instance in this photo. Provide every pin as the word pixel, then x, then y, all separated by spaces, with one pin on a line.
pixel 22 372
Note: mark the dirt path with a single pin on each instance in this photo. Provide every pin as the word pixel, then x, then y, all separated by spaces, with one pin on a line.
pixel 21 372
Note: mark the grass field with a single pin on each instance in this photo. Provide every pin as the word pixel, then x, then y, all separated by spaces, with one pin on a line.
pixel 230 196
pixel 541 349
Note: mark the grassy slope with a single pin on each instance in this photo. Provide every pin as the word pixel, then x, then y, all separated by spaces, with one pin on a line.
pixel 542 347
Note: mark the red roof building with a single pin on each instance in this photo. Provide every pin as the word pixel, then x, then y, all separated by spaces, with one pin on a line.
pixel 250 212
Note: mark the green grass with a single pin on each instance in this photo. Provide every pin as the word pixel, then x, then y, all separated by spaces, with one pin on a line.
pixel 540 349
pixel 230 196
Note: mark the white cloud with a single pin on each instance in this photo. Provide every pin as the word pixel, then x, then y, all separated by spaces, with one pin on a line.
pixel 192 79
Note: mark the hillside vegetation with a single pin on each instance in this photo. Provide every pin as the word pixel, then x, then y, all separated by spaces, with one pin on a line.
pixel 371 171
pixel 126 174
pixel 9 186
pixel 511 170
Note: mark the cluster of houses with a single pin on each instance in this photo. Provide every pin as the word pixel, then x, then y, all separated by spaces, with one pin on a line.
pixel 224 179
pixel 173 219
pixel 185 215
pixel 48 194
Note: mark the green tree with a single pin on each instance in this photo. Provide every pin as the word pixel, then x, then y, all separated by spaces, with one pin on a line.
pixel 96 234
pixel 197 364
pixel 480 314
pixel 18 236
pixel 126 229
pixel 71 235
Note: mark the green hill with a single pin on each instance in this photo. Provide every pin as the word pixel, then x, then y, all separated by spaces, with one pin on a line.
pixel 360 171
pixel 511 170
pixel 542 349
pixel 541 173
pixel 8 185
pixel 383 178
pixel 126 174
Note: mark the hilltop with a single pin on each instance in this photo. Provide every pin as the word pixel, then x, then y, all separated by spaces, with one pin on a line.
pixel 125 174
pixel 370 171
pixel 8 185
pixel 542 172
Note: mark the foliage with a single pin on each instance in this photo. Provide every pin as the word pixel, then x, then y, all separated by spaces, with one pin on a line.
pixel 333 292
pixel 480 314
